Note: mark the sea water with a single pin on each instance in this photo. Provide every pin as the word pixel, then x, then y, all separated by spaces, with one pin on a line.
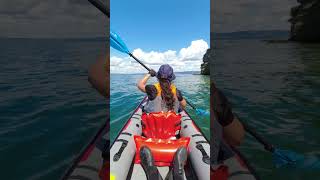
pixel 48 109
pixel 275 88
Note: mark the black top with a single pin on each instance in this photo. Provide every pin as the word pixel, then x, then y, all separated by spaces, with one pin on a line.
pixel 152 92
pixel 221 107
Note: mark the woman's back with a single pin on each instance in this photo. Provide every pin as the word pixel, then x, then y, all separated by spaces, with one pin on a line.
pixel 162 96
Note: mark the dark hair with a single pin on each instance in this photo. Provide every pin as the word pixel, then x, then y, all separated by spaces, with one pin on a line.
pixel 166 93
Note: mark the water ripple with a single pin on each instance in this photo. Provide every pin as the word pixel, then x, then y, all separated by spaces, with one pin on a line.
pixel 276 89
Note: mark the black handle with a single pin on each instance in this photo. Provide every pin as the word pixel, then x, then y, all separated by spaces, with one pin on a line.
pixel 205 157
pixel 117 156
pixel 139 61
pixel 191 105
pixel 267 146
pixel 103 8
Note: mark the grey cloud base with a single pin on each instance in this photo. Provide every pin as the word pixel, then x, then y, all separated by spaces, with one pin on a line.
pixel 244 15
pixel 51 19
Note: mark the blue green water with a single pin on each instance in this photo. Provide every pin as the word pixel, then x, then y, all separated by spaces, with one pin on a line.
pixel 48 110
pixel 275 87
pixel 125 96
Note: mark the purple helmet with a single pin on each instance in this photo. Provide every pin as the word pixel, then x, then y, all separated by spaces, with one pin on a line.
pixel 166 72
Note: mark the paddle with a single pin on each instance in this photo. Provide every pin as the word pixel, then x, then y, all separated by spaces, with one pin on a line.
pixel 283 157
pixel 117 43
pixel 98 4
pixel 201 112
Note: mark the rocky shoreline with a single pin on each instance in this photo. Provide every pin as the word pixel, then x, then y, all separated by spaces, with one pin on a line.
pixel 305 21
pixel 305 27
pixel 205 66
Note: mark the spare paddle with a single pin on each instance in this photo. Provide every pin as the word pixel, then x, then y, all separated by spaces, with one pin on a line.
pixel 284 158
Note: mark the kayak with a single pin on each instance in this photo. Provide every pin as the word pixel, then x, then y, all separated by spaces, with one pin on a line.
pixel 88 164
pixel 122 155
pixel 227 162
pixel 238 167
pixel 123 150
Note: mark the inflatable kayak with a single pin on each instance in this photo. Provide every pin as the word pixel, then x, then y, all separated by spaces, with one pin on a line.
pixel 89 163
pixel 123 153
pixel 234 166
pixel 124 164
pixel 227 162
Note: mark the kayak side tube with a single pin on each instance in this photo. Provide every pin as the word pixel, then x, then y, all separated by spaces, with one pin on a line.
pixel 199 147
pixel 123 149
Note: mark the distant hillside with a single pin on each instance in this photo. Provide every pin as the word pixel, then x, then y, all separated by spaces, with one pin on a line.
pixel 305 21
pixel 263 35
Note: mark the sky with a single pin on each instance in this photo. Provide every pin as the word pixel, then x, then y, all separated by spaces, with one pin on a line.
pixel 251 15
pixel 160 32
pixel 50 19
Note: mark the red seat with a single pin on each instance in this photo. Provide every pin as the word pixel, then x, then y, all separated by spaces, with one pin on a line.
pixel 162 150
pixel 161 125
pixel 158 129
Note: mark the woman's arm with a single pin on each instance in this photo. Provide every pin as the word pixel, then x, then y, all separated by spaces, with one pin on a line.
pixel 99 76
pixel 183 103
pixel 234 132
pixel 142 83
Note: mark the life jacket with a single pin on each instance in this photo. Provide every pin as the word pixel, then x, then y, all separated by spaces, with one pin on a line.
pixel 158 104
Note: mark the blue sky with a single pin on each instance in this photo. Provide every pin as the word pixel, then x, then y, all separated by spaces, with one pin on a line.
pixel 160 26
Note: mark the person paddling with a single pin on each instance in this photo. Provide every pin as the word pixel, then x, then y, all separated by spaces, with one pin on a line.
pixel 233 131
pixel 162 97
pixel 225 126
pixel 99 76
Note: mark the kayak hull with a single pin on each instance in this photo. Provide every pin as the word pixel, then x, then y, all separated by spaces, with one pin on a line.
pixel 89 162
pixel 123 167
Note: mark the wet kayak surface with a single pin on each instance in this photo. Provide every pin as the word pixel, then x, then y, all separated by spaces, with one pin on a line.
pixel 275 88
pixel 48 109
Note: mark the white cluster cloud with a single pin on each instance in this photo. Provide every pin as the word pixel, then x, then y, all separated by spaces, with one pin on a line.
pixel 187 59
